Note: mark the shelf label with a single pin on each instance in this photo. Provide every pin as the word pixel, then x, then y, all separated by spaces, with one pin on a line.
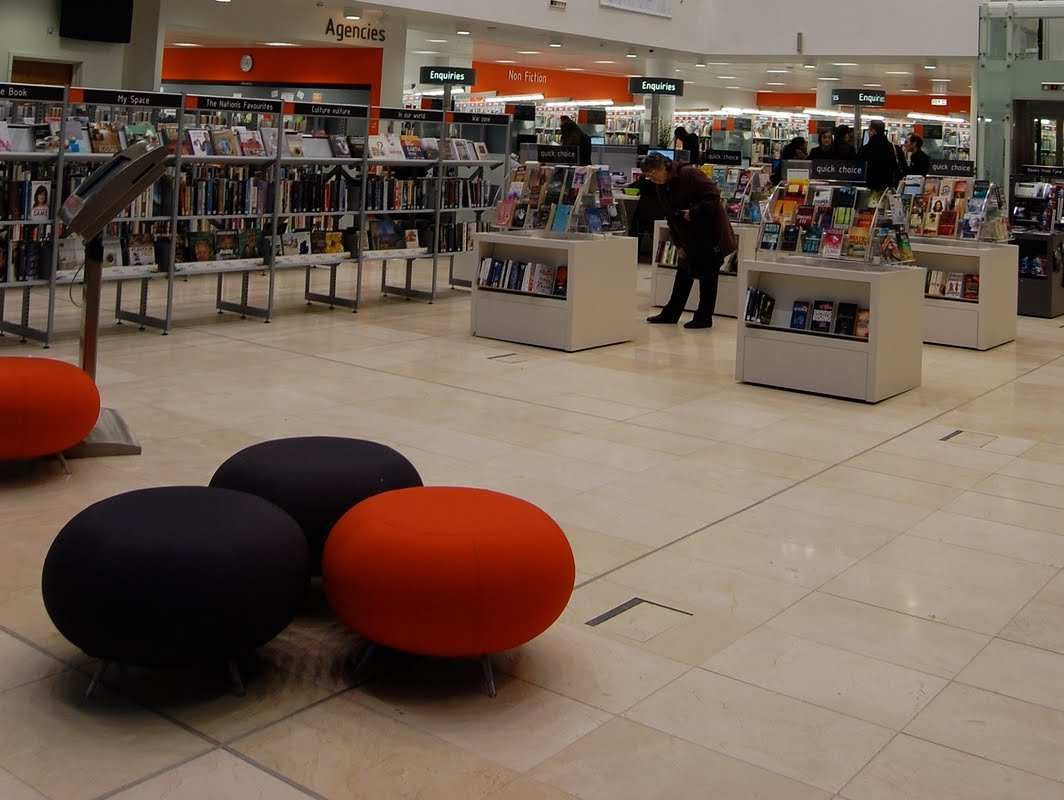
pixel 107 97
pixel 31 92
pixel 858 97
pixel 249 105
pixel 558 154
pixel 952 169
pixel 852 171
pixel 479 119
pixel 728 158
pixel 444 75
pixel 1044 172
pixel 655 86
pixel 327 110
pixel 410 114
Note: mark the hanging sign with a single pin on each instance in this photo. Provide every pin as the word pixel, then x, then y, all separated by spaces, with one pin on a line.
pixel 655 86
pixel 247 105
pixel 823 170
pixel 478 119
pixel 461 76
pixel 858 97
pixel 326 110
pixel 30 92
pixel 343 31
pixel 726 158
pixel 106 97
pixel 558 154
pixel 952 169
pixel 410 114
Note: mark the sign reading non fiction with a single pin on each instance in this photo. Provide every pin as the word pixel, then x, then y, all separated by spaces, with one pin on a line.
pixel 858 97
pixel 951 168
pixel 106 97
pixel 655 86
pixel 246 105
pixel 460 76
pixel 327 110
pixel 31 91
pixel 344 31
pixel 727 158
pixel 479 119
pixel 823 170
pixel 558 154
pixel 411 114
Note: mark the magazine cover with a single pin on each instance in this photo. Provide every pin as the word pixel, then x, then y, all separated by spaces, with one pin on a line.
pixel 200 141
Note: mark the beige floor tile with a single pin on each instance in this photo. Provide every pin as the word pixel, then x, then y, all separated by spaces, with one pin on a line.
pixel 1011 512
pixel 852 507
pixel 576 662
pixel 1009 731
pixel 726 455
pixel 907 641
pixel 1046 453
pixel 677 496
pixel 631 519
pixel 1031 491
pixel 215 776
pixel 1025 673
pixel 606 453
pixel 341 749
pixel 954 585
pixel 21 664
pixel 946 454
pixel 1039 624
pixel 787 736
pixel 597 552
pixel 626 761
pixel 993 537
pixel 1033 470
pixel 911 769
pixel 918 469
pixel 888 487
pixel 812 441
pixel 527 789
pixel 519 728
pixel 101 744
pixel 846 682
pixel 11 788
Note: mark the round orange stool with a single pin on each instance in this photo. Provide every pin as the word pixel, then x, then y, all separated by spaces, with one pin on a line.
pixel 46 407
pixel 450 572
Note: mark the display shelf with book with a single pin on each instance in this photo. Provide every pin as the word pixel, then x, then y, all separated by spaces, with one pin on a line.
pixel 558 199
pixel 30 162
pixel 942 207
pixel 568 292
pixel 664 270
pixel 849 330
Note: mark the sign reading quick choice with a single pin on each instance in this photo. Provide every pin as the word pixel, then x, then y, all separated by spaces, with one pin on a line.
pixel 558 154
pixel 952 169
pixel 727 158
pixel 655 86
pixel 858 97
pixel 853 171
pixel 445 75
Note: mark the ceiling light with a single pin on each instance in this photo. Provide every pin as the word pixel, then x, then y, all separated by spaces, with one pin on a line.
pixel 628 108
pixel 528 52
pixel 911 91
pixel 930 66
pixel 631 54
pixel 733 87
pixel 942 80
pixel 700 63
pixel 829 79
pixel 279 44
pixel 554 43
pixel 606 61
pixel 223 1
pixel 935 117
pixel 843 64
pixel 425 52
pixel 505 61
pixel 574 69
pixel 463 32
pixel 767 91
pixel 352 14
pixel 676 70
pixel 186 44
pixel 575 103
pixel 777 71
pixel 897 72
pixel 514 98
pixel 873 85
pixel 827 112
pixel 775 83
pixel 436 41
pixel 727 77
pixel 717 63
pixel 808 66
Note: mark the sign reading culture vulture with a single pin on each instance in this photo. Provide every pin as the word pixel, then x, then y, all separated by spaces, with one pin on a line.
pixel 655 86
pixel 858 97
pixel 443 75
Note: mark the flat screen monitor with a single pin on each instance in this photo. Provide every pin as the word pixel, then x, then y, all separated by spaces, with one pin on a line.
pixel 97 20
pixel 598 140
pixel 663 151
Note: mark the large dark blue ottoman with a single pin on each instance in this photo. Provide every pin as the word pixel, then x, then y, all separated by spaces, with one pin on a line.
pixel 175 576
pixel 317 479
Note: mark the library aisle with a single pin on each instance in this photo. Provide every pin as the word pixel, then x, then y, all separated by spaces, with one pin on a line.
pixel 835 599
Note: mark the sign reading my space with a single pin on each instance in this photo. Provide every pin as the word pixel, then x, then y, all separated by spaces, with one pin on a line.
pixel 106 97
pixel 655 86
pixel 558 154
pixel 453 75
pixel 952 169
pixel 858 97
pixel 326 110
pixel 30 91
pixel 728 158
pixel 853 171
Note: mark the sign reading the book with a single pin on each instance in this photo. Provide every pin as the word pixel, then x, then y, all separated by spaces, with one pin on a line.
pixel 727 158
pixel 460 76
pixel 29 91
pixel 853 171
pixel 479 119
pixel 248 105
pixel 410 114
pixel 655 86
pixel 558 154
pixel 952 169
pixel 326 110
pixel 106 97
pixel 858 97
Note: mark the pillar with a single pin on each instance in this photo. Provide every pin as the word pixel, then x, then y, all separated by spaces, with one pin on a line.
pixel 142 65
pixel 393 63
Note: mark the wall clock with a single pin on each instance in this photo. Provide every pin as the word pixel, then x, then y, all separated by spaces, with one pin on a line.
pixel 246 63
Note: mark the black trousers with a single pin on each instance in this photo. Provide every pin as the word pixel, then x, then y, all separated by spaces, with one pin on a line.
pixel 681 290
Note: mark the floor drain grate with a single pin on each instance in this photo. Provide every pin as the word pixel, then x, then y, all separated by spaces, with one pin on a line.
pixel 969 438
pixel 628 606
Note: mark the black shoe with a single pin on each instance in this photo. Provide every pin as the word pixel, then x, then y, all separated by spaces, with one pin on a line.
pixel 698 324
pixel 662 319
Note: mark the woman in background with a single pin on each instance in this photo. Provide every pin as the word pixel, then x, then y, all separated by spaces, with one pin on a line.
pixel 574 136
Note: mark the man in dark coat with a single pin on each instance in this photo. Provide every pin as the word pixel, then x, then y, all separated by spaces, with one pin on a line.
pixel 880 159
pixel 700 230
pixel 919 163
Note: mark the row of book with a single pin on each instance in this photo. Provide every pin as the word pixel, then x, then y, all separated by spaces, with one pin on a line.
pixel 556 198
pixel 818 316
pixel 524 276
pixel 25 192
pixel 889 243
pixel 667 254
pixel 27 259
pixel 952 285
pixel 952 207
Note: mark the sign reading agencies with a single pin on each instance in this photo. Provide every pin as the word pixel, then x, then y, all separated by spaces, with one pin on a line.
pixel 858 97
pixel 655 86
pixel 344 31
pixel 454 75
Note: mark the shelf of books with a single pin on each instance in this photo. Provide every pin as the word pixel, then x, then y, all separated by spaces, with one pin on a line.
pixel 565 291
pixel 560 198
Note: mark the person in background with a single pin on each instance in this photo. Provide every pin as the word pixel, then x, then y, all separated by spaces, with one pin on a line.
pixel 881 161
pixel 919 163
pixel 844 149
pixel 684 140
pixel 795 150
pixel 903 161
pixel 825 147
pixel 699 227
pixel 573 136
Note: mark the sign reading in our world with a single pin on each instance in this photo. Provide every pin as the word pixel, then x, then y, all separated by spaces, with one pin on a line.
pixel 460 76
pixel 858 97
pixel 655 86
pixel 411 114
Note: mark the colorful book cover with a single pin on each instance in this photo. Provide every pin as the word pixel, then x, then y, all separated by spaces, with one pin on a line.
pixel 770 236
pixel 104 138
pixel 822 317
pixel 412 147
pixel 226 245
pixel 561 281
pixel 199 140
pixel 971 287
pixel 225 143
pixel 800 315
pixel 845 319
pixel 789 239
pixel 294 143
pixel 947 223
pixel 250 142
pixel 200 246
pixel 860 327
pixel 954 286
pixel 832 246
pixel 812 240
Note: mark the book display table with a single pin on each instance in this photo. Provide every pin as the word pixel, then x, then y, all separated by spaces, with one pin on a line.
pixel 591 303
pixel 1041 273
pixel 886 362
pixel 981 322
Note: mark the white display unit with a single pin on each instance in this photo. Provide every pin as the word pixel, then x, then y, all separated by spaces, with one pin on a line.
pixel 728 286
pixel 977 324
pixel 598 308
pixel 887 363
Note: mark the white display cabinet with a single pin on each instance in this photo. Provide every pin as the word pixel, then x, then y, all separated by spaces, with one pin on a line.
pixel 598 307
pixel 728 286
pixel 887 363
pixel 978 324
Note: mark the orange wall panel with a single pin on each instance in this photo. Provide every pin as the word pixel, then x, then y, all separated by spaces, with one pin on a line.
pixel 507 79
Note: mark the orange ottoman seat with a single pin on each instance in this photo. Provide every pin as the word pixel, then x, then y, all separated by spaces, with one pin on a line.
pixel 451 572
pixel 46 407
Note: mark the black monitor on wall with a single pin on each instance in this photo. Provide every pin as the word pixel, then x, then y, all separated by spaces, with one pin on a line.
pixel 97 20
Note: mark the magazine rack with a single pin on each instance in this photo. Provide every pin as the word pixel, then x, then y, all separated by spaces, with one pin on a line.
pixel 559 199
pixel 976 214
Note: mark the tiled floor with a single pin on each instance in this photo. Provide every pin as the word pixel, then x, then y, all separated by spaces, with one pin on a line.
pixel 842 601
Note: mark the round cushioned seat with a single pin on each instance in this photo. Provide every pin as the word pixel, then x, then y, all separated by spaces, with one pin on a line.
pixel 175 575
pixel 46 407
pixel 449 572
pixel 316 479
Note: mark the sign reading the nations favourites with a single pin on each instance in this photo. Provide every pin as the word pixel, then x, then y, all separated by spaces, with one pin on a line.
pixel 461 76
pixel 655 86
pixel 248 105
pixel 858 97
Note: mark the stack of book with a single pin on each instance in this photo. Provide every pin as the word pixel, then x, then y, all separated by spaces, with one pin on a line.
pixel 829 317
